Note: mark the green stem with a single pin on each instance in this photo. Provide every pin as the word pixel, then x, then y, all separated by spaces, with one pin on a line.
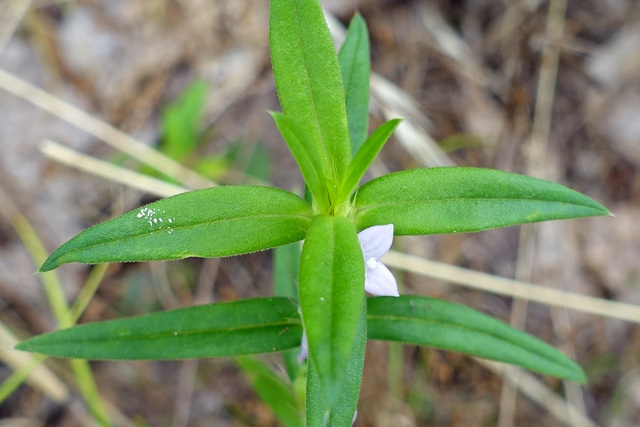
pixel 64 317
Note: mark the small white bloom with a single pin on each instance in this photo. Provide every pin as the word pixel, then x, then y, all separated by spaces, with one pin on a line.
pixel 376 242
pixel 378 280
pixel 304 348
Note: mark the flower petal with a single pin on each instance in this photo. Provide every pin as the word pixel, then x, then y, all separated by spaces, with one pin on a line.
pixel 304 348
pixel 380 281
pixel 376 241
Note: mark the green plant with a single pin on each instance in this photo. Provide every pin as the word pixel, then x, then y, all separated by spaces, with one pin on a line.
pixel 182 133
pixel 346 229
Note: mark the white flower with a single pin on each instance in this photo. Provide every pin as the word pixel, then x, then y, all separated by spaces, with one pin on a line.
pixel 376 242
pixel 304 348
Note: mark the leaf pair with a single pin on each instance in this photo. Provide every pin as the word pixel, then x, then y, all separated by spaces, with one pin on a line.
pixel 310 88
pixel 263 325
pixel 325 100
pixel 226 221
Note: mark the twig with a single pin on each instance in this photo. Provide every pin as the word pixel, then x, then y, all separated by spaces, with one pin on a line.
pixel 101 130
pixel 512 288
pixel 537 150
pixel 60 309
pixel 9 21
pixel 448 42
pixel 189 368
pixel 395 102
pixel 539 393
pixel 28 367
pixel 417 141
pixel 108 171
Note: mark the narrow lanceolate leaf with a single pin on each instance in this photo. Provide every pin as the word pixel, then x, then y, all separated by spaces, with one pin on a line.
pixel 450 326
pixel 355 66
pixel 286 263
pixel 305 67
pixel 303 150
pixel 213 222
pixel 365 156
pixel 273 390
pixel 459 199
pixel 181 121
pixel 331 292
pixel 342 414
pixel 235 328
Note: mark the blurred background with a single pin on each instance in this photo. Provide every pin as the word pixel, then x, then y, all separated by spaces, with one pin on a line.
pixel 545 88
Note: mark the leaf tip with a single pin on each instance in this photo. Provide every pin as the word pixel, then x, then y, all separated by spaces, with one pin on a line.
pixel 48 265
pixel 357 17
pixel 23 346
pixel 578 374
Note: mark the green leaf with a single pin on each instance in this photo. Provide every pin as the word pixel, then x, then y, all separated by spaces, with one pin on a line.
pixel 181 121
pixel 85 381
pixel 307 75
pixel 355 68
pixel 343 411
pixel 446 325
pixel 259 163
pixel 237 328
pixel 303 151
pixel 252 159
pixel 365 156
pixel 213 222
pixel 273 390
pixel 459 199
pixel 331 292
pixel 286 263
pixel 317 409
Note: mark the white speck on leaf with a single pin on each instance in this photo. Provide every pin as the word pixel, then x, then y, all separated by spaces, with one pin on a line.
pixel 148 214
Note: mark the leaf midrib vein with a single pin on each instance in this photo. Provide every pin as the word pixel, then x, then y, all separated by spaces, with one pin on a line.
pixel 482 332
pixel 171 333
pixel 466 199
pixel 309 86
pixel 195 224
